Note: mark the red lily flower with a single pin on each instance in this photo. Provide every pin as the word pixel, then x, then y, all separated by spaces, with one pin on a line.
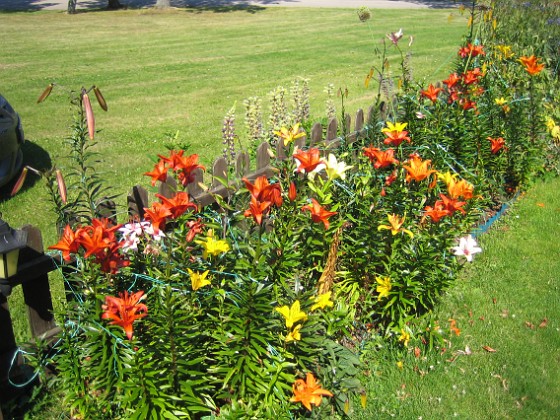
pixel 111 260
pixel 472 50
pixel 472 76
pixel 257 209
pixel 452 80
pixel 173 160
pixel 496 144
pixel 262 190
pixel 157 214
pixel 185 166
pixel 195 227
pixel 319 213
pixel 431 93
pixel 124 310
pixel 93 240
pixel 159 173
pixel 380 158
pixel 308 160
pixel 178 204
pixel 68 244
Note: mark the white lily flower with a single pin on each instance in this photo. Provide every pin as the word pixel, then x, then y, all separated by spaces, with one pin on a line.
pixel 336 169
pixel 467 248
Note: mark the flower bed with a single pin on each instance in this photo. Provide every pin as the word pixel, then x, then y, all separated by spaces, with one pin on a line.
pixel 256 306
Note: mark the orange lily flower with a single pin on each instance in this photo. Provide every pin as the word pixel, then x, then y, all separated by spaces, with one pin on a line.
pixel 531 65
pixel 309 392
pixel 431 93
pixel 262 190
pixel 395 226
pixel 157 215
pixel 395 133
pixel 380 158
pixel 452 205
pixel 496 144
pixel 418 169
pixel 257 209
pixel 460 188
pixel 307 160
pixel 178 204
pixel 68 244
pixel 437 212
pixel 159 173
pixel 319 213
pixel 124 310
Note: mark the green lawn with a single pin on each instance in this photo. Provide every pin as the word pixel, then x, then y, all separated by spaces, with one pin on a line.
pixel 508 300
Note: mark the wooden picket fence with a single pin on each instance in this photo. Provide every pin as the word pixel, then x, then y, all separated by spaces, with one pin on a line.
pixel 138 199
pixel 34 265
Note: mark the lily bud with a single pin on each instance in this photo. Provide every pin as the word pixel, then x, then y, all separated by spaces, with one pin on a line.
pixel 292 192
pixel 90 120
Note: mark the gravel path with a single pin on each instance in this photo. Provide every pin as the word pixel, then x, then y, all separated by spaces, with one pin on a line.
pixel 33 5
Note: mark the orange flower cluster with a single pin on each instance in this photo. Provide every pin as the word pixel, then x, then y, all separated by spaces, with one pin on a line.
pixel 98 240
pixel 124 310
pixel 471 50
pixel 168 208
pixel 263 196
pixel 309 392
pixel 531 65
pixel 183 166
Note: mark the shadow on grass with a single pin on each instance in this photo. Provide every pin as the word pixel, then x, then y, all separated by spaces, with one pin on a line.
pixel 218 6
pixel 34 156
pixel 84 6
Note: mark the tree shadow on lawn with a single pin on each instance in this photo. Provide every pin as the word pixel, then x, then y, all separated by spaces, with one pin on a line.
pixel 218 6
pixel 83 6
pixel 34 156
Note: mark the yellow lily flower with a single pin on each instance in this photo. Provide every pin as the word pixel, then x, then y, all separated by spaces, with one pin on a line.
pixel 293 314
pixel 198 280
pixel 290 134
pixel 294 335
pixel 322 301
pixel 213 246
pixel 383 287
pixel 398 127
pixel 395 226
pixel 405 337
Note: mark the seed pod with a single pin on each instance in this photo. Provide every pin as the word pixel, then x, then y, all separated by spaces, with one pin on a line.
pixel 45 93
pixel 19 182
pixel 90 120
pixel 61 186
pixel 100 99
